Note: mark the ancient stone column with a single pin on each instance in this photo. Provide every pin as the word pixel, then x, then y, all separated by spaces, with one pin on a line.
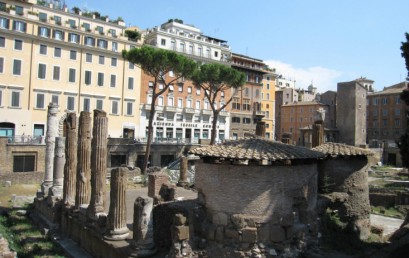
pixel 318 128
pixel 116 228
pixel 83 192
pixel 70 169
pixel 183 168
pixel 59 162
pixel 52 132
pixel 143 244
pixel 98 165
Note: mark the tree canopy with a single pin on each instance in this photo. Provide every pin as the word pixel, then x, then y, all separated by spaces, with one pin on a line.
pixel 157 63
pixel 404 139
pixel 215 78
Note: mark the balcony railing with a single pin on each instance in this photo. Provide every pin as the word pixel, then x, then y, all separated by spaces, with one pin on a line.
pixel 259 113
pixel 189 110
pixel 164 140
pixel 170 109
pixel 26 140
pixel 206 112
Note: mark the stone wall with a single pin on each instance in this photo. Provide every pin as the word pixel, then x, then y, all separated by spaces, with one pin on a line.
pixel 23 177
pixel 388 198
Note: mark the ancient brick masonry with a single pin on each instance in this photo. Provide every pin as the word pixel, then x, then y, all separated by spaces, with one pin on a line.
pixel 52 132
pixel 98 165
pixel 82 196
pixel 183 181
pixel 70 169
pixel 117 229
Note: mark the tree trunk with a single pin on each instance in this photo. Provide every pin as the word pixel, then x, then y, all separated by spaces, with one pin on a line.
pixel 214 129
pixel 150 135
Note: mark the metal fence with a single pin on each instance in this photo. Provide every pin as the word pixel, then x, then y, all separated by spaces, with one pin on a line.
pixel 26 139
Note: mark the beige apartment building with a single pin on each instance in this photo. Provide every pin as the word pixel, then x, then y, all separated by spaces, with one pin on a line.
pixel 50 54
pixel 268 103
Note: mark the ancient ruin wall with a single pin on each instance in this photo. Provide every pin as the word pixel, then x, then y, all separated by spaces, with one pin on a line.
pixel 257 190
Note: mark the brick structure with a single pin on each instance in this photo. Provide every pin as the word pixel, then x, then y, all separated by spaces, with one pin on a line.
pixel 156 180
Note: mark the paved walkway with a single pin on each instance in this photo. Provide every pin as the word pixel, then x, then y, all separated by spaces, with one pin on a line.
pixel 390 225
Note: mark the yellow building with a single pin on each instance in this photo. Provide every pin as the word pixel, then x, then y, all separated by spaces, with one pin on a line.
pixel 50 54
pixel 268 102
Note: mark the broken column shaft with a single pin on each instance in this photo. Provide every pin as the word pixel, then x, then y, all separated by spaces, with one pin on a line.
pixel 98 164
pixel 83 192
pixel 59 162
pixel 117 229
pixel 70 169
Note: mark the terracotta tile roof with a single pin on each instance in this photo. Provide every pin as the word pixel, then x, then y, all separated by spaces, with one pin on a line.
pixel 256 149
pixel 339 149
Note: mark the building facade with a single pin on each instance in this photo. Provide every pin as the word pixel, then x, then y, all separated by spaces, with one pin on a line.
pixel 386 121
pixel 246 104
pixel 268 103
pixel 50 54
pixel 351 114
pixel 283 96
pixel 183 113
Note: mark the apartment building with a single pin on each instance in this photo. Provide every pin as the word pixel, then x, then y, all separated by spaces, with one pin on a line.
pixel 50 54
pixel 183 113
pixel 268 103
pixel 386 120
pixel 351 111
pixel 283 96
pixel 296 116
pixel 246 104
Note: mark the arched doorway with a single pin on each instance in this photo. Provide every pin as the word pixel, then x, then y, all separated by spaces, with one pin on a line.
pixel 7 129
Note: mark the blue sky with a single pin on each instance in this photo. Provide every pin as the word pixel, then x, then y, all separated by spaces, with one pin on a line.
pixel 319 41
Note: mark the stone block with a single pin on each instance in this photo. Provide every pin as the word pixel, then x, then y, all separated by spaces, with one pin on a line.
pixel 179 220
pixel 232 234
pixel 297 231
pixel 277 234
pixel 219 236
pixel 210 232
pixel 220 218
pixel 288 220
pixel 249 235
pixel 180 233
pixel 238 221
pixel 263 233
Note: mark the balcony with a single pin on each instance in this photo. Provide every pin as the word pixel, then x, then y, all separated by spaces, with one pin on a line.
pixel 223 113
pixel 188 110
pixel 170 108
pixel 25 140
pixel 206 112
pixel 259 113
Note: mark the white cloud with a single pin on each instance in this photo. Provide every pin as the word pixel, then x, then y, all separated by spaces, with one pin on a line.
pixel 322 78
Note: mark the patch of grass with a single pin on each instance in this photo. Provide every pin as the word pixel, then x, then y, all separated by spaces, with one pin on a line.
pixel 19 190
pixel 388 212
pixel 26 239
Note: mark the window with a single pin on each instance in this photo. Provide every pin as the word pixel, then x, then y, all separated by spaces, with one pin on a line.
pixel 58 35
pixel 44 32
pixel 43 49
pixel 236 103
pixel 216 54
pixel 73 38
pixel 197 90
pixel 100 104
pixel 100 79
pixel 112 32
pixel 19 26
pixel 57 52
pixel 54 99
pixel 101 60
pixel 129 108
pixel 179 118
pixel 115 46
pixel 246 120
pixel 16 67
pixel 71 74
pixel 42 17
pixel 18 44
pixel 113 81
pixel 199 51
pixel 197 104
pixel 102 43
pixel 160 101
pixel 189 103
pixel 40 100
pixel 73 55
pixel 15 99
pixel 160 117
pixel 130 83
pixel 99 29
pixel 41 71
pixel 57 20
pixel 235 120
pixel 268 85
pixel 246 104
pixel 397 112
pixel 384 101
pixel 397 122
pixel 170 102
pixel 88 77
pixel 114 107
pixel 191 49
pixel 397 99
pixel 206 105
pixel 180 103
pixel 2 42
pixel 86 105
pixel 257 93
pixel 189 89
pixel 131 65
pixel 88 58
pixel 196 119
pixel 268 96
pixel 180 87
pixel 163 42
pixel 206 119
pixel 375 101
pixel 1 64
pixel 4 23
pixel 86 26
pixel 70 103
pixel 384 112
pixel 89 41
pixel 114 61
pixel 56 73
